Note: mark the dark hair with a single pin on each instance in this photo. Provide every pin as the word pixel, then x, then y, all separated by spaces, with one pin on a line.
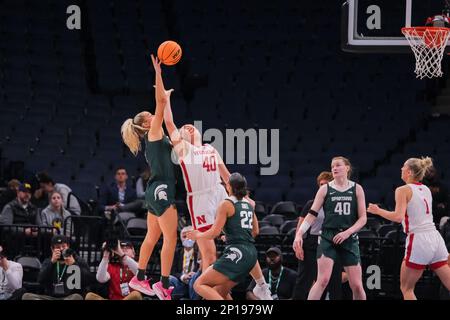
pixel 120 168
pixel 43 177
pixel 238 185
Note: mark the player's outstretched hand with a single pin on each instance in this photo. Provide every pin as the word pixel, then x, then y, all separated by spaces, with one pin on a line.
pixel 156 63
pixel 373 208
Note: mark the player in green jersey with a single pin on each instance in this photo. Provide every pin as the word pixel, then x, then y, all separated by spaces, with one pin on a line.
pixel 343 203
pixel 237 218
pixel 160 193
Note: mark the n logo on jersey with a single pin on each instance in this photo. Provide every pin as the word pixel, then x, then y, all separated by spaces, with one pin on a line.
pixel 201 219
pixel 235 255
pixel 160 192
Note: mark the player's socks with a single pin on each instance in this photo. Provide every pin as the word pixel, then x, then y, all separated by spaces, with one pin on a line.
pixel 141 274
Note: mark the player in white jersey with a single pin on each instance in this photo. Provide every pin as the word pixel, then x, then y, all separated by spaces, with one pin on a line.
pixel 424 244
pixel 203 169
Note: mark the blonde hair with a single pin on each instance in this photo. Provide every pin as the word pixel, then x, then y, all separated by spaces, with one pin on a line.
pixel 132 132
pixel 347 163
pixel 419 167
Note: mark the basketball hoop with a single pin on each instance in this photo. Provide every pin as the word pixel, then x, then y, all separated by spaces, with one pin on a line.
pixel 428 45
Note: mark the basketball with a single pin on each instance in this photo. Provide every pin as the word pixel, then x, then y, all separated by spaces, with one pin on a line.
pixel 169 52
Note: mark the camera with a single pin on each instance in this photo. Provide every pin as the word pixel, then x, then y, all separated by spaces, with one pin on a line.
pixel 111 244
pixel 67 253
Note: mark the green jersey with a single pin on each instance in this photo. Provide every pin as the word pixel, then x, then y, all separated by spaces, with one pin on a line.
pixel 158 156
pixel 238 228
pixel 340 207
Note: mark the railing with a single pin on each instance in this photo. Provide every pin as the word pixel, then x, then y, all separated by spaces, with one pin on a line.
pixel 22 239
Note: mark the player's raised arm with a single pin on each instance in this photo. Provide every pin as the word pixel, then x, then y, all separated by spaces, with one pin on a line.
pixel 161 101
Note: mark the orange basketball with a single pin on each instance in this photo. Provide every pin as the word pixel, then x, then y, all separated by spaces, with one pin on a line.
pixel 169 52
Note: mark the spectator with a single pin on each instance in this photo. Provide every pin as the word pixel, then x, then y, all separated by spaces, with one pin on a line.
pixel 280 279
pixel 55 214
pixel 439 193
pixel 117 267
pixel 11 274
pixel 119 195
pixel 141 183
pixel 57 277
pixel 10 193
pixel 185 266
pixel 21 210
pixel 47 186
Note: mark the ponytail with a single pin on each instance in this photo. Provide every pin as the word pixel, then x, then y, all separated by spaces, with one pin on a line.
pixel 419 167
pixel 425 165
pixel 130 137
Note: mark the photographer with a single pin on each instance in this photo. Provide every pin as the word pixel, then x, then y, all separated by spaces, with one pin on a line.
pixel 118 267
pixel 64 276
pixel 11 274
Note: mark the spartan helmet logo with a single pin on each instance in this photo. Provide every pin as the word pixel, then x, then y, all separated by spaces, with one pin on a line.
pixel 235 255
pixel 160 192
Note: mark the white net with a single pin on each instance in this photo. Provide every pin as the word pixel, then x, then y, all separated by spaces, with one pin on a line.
pixel 428 45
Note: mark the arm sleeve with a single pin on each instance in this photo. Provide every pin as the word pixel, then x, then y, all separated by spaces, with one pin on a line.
pixel 14 274
pixel 132 264
pixel 44 219
pixel 7 215
pixel 306 208
pixel 102 271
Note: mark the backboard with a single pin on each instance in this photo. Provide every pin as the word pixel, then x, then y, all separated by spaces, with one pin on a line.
pixel 375 25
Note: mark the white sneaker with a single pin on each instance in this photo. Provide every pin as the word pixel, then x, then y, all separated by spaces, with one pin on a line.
pixel 262 292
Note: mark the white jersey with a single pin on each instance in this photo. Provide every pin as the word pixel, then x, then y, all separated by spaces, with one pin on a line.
pixel 201 175
pixel 200 168
pixel 419 215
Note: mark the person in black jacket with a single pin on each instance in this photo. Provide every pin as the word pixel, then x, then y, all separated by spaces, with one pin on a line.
pixel 64 276
pixel 119 195
pixel 280 279
pixel 21 210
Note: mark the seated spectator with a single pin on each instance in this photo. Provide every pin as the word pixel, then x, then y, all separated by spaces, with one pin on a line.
pixel 21 210
pixel 11 274
pixel 10 193
pixel 55 214
pixel 280 279
pixel 117 267
pixel 57 277
pixel 47 186
pixel 184 266
pixel 119 195
pixel 141 183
